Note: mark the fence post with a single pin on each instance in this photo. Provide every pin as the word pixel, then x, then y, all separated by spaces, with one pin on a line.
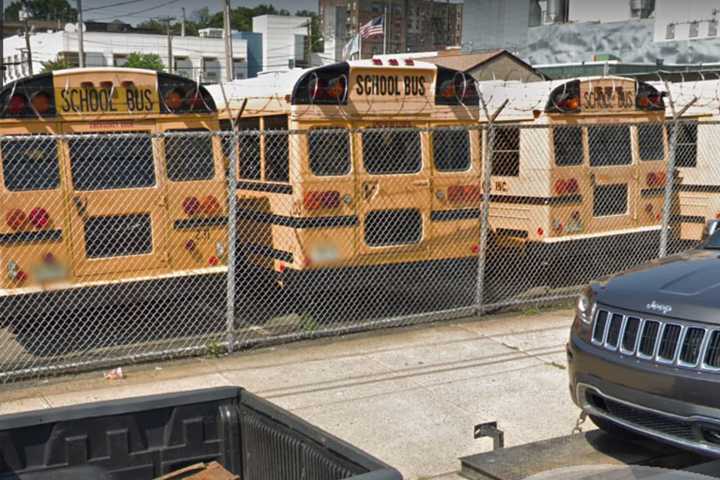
pixel 484 215
pixel 670 176
pixel 487 161
pixel 232 240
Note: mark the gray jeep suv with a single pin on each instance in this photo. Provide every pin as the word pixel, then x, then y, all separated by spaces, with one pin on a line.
pixel 644 349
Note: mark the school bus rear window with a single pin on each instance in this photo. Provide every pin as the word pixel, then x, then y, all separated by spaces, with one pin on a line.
pixel 610 200
pixel 329 151
pixel 189 158
pixel 568 146
pixel 451 150
pixel 118 236
pixel 506 159
pixel 650 142
pixel 30 163
pixel 248 148
pixel 102 163
pixel 609 145
pixel 277 161
pixel 391 151
pixel 686 149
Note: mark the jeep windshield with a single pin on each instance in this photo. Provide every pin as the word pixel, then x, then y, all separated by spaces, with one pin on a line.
pixel 713 241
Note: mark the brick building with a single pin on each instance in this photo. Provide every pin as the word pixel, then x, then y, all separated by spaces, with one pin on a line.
pixel 413 25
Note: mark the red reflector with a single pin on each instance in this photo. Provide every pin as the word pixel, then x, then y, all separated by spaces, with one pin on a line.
pixel 39 217
pixel 393 62
pixel 571 186
pixel 21 276
pixel 281 268
pixel 213 261
pixel 210 205
pixel 661 177
pixel 15 219
pixel 320 200
pixel 16 104
pixel 190 245
pixel 409 61
pixel 49 258
pixel 560 187
pixel 649 209
pixel 376 61
pixel 540 232
pixel 651 179
pixel 464 193
pixel 475 248
pixel 191 205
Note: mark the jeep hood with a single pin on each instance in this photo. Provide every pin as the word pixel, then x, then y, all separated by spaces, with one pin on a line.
pixel 684 286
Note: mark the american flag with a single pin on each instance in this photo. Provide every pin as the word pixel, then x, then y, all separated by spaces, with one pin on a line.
pixel 372 28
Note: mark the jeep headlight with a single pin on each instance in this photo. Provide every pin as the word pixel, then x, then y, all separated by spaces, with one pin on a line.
pixel 586 306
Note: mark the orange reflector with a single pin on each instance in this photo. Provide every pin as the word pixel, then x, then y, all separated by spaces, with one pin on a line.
pixel 213 261
pixel 210 205
pixel 540 232
pixel 39 217
pixel 321 200
pixel 15 219
pixel 41 102
pixel 173 100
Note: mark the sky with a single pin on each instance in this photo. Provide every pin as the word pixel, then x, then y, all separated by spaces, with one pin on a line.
pixel 135 11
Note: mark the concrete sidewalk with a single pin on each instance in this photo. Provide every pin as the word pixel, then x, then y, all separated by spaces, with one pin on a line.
pixel 408 396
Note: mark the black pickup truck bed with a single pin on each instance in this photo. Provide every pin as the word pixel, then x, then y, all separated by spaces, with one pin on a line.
pixel 147 437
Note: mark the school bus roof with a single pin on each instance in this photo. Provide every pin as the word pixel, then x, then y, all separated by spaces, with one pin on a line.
pixel 524 98
pixel 267 92
pixel 91 70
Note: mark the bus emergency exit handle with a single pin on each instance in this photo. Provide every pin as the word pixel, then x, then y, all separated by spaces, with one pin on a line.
pixel 422 183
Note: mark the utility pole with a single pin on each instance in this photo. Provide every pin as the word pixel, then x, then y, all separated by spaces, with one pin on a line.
pixel 171 68
pixel 81 33
pixel 228 41
pixel 182 25
pixel 25 13
pixel 2 41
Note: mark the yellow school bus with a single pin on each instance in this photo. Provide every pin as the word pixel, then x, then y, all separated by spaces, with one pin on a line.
pixel 377 180
pixel 87 219
pixel 697 151
pixel 579 173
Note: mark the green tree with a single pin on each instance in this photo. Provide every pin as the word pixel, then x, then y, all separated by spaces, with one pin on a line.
pixel 150 61
pixel 59 63
pixel 43 10
pixel 316 38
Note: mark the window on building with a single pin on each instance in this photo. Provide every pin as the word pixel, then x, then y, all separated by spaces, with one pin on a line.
pixel 72 59
pixel 712 28
pixel 120 60
pixel 694 29
pixel 211 69
pixel 183 66
pixel 239 68
pixel 94 59
pixel 670 31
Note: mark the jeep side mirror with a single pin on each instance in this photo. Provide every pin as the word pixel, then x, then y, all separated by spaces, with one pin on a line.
pixel 710 228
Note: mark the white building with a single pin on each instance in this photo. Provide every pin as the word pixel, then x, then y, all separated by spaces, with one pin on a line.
pixel 285 41
pixel 696 19
pixel 199 58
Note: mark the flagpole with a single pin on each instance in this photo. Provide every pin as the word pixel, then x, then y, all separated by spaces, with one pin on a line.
pixel 359 46
pixel 385 28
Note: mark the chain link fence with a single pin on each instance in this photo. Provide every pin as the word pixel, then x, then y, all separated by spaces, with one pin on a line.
pixel 120 248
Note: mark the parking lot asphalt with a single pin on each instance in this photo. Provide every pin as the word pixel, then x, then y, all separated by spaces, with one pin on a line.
pixel 409 396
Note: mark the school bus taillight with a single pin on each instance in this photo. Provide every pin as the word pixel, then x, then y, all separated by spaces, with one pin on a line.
pixel 191 205
pixel 455 88
pixel 464 193
pixel 393 62
pixel 322 200
pixel 15 219
pixel 648 98
pixel 566 187
pixel 655 179
pixel 409 62
pixel 210 205
pixel 565 98
pixel 39 217
pixel 328 89
pixel 16 104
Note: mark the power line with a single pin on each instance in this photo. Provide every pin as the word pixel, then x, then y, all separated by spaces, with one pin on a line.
pixel 132 14
pixel 114 5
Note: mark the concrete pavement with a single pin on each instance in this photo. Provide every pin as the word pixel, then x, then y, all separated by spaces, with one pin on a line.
pixel 408 396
